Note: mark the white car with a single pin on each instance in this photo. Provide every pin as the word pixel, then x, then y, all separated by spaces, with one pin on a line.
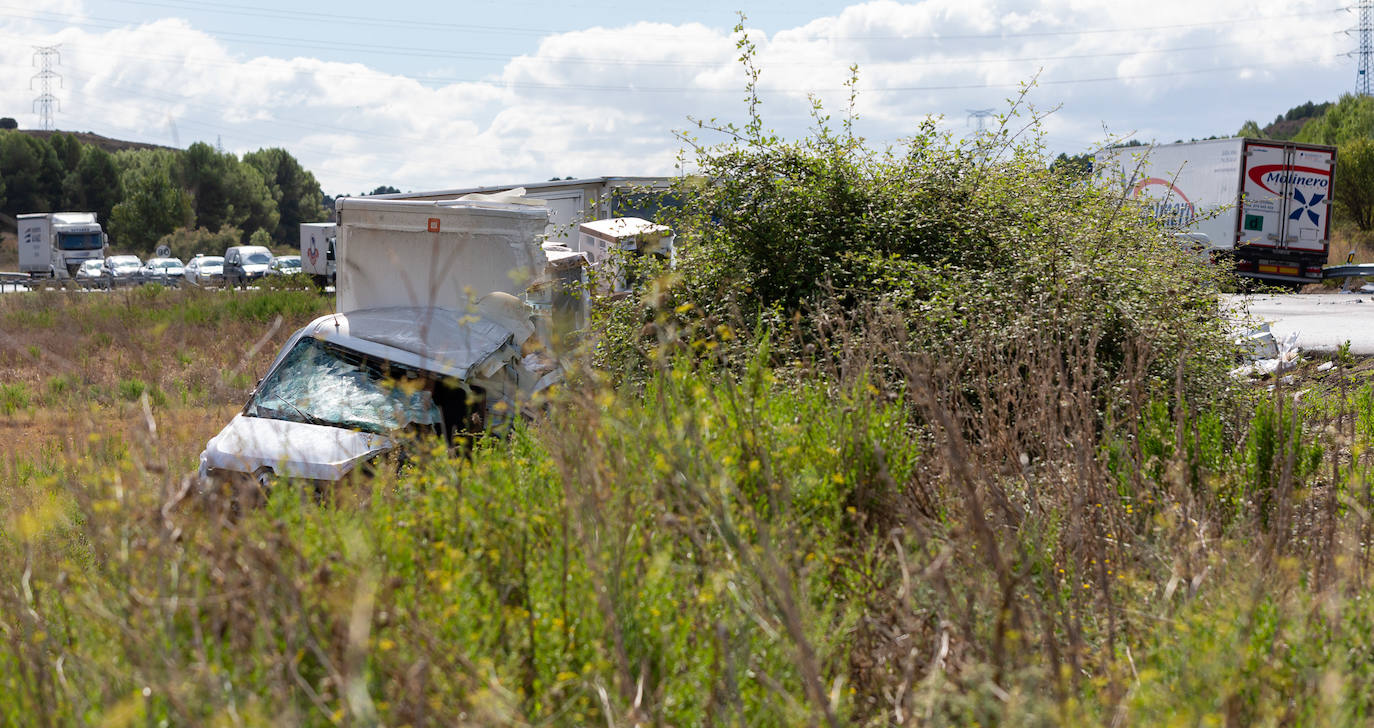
pixel 91 274
pixel 285 265
pixel 122 270
pixel 344 388
pixel 166 271
pixel 204 270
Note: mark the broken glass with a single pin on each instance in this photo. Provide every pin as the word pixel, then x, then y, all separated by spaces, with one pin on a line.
pixel 323 384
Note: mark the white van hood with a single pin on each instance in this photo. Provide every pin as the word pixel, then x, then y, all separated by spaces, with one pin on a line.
pixel 292 449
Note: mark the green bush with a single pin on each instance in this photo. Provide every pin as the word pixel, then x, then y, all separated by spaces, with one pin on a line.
pixel 132 389
pixel 14 398
pixel 978 243
pixel 186 243
pixel 292 282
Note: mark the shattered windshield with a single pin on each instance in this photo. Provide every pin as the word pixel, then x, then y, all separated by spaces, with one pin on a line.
pixel 324 384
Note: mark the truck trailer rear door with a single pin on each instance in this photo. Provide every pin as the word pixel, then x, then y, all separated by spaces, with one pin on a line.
pixel 1287 197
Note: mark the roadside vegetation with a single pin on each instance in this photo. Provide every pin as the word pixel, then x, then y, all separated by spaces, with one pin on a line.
pixel 933 435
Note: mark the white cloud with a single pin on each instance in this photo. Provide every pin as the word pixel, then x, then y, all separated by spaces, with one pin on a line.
pixel 565 108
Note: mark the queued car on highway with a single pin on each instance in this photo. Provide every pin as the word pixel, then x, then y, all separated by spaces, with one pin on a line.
pixel 285 265
pixel 122 270
pixel 244 264
pixel 205 270
pixel 91 274
pixel 166 271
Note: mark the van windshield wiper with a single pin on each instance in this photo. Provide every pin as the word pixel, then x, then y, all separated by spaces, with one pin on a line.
pixel 305 417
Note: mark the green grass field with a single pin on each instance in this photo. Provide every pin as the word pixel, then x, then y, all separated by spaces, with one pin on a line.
pixel 779 545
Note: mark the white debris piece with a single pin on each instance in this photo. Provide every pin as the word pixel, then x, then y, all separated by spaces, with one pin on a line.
pixel 1258 343
pixel 1328 366
pixel 1286 358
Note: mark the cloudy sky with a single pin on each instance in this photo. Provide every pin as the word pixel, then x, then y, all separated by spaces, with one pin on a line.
pixel 436 95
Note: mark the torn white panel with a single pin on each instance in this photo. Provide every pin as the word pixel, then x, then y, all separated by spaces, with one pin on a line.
pixel 447 342
pixel 436 254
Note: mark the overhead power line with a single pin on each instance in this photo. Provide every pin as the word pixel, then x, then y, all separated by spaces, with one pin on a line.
pixel 635 89
pixel 420 52
pixel 427 23
pixel 181 62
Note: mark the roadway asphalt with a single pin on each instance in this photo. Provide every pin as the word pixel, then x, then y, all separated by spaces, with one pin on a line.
pixel 1323 321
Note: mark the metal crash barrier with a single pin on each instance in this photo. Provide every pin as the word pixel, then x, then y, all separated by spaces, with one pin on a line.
pixel 1349 270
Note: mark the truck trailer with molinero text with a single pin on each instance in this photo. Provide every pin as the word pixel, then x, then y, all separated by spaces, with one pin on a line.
pixel 1265 203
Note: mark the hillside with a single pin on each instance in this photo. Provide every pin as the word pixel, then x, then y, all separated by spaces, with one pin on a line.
pixel 1285 126
pixel 95 140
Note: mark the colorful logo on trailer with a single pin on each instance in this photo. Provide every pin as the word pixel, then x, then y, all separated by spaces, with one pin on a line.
pixel 1297 178
pixel 1167 202
pixel 1265 175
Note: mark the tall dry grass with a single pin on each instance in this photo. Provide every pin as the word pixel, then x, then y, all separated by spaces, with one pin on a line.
pixel 1345 240
pixel 854 532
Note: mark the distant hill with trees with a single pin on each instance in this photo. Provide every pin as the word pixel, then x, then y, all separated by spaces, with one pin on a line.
pixel 92 139
pixel 144 192
pixel 1286 125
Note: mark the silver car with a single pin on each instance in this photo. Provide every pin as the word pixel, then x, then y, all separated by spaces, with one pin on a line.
pixel 284 265
pixel 91 274
pixel 205 270
pixel 122 270
pixel 166 271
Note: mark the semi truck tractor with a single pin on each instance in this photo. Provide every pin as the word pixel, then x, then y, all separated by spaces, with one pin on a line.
pixel 1265 203
pixel 55 244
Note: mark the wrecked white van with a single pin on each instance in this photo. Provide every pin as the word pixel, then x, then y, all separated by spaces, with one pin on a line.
pixel 348 387
pixel 430 336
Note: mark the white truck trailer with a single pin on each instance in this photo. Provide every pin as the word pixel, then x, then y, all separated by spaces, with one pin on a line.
pixel 1265 203
pixel 55 244
pixel 317 250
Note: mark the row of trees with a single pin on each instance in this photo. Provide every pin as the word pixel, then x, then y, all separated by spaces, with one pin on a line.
pixel 145 194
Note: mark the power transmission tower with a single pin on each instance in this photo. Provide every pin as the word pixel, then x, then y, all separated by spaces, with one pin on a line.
pixel 1366 47
pixel 43 58
pixel 982 114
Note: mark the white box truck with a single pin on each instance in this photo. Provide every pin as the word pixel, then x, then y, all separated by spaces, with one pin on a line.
pixel 55 244
pixel 430 337
pixel 1266 203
